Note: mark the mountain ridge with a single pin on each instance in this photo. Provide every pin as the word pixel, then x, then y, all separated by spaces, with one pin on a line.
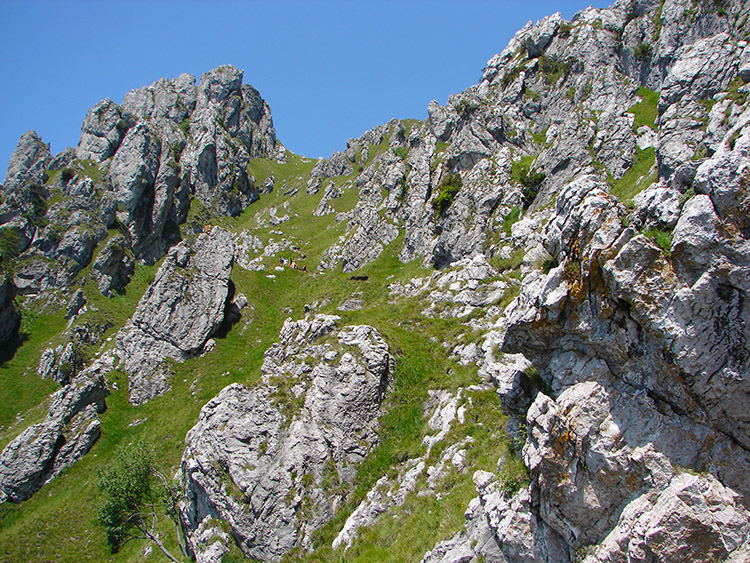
pixel 548 276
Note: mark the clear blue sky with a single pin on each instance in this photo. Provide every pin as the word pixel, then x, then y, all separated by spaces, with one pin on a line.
pixel 329 69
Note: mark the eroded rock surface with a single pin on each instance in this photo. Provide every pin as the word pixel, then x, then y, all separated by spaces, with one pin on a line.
pixel 71 427
pixel 178 313
pixel 263 459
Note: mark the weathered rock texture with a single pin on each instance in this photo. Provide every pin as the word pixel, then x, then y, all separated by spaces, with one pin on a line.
pixel 640 437
pixel 9 316
pixel 71 427
pixel 178 313
pixel 137 166
pixel 274 461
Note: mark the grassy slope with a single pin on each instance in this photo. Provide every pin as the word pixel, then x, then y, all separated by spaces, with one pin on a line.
pixel 59 522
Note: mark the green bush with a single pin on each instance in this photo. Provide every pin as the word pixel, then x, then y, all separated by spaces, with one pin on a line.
pixel 564 30
pixel 662 239
pixel 10 244
pixel 448 187
pixel 642 51
pixel 465 106
pixel 185 126
pixel 401 152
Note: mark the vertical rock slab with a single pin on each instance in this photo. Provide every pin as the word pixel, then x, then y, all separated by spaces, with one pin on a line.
pixel 68 432
pixel 29 161
pixel 9 316
pixel 102 131
pixel 180 310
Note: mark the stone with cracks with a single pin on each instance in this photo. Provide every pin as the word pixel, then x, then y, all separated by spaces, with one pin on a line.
pixel 262 460
pixel 180 310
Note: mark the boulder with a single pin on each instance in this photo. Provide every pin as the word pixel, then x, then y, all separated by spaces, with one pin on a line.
pixel 68 432
pixel 272 461
pixel 178 313
pixel 114 265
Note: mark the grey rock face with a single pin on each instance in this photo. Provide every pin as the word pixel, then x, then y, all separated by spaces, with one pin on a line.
pixel 60 363
pixel 259 459
pixel 337 165
pixel 180 310
pixel 71 427
pixel 500 528
pixel 114 266
pixel 75 304
pixel 9 316
pixel 214 167
pixel 28 163
pixel 657 206
pixel 102 131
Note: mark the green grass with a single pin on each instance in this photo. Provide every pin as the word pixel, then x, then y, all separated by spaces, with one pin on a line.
pixel 21 388
pixel 640 176
pixel 662 239
pixel 646 110
pixel 519 166
pixel 510 219
pixel 59 522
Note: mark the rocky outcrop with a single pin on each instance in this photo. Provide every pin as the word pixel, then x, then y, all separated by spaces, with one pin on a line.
pixel 230 124
pixel 114 265
pixel 59 363
pixel 273 461
pixel 102 131
pixel 71 427
pixel 28 163
pixel 136 165
pixel 638 432
pixel 180 310
pixel 9 316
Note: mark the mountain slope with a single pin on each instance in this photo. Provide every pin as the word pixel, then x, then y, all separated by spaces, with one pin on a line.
pixel 520 333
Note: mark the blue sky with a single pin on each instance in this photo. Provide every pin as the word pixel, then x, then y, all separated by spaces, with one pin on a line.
pixel 329 69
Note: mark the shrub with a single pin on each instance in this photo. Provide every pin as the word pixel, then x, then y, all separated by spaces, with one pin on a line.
pixel 185 126
pixel 401 152
pixel 465 107
pixel 448 187
pixel 531 181
pixel 642 52
pixel 565 29
pixel 662 239
pixel 10 244
pixel 67 175
pixel 137 492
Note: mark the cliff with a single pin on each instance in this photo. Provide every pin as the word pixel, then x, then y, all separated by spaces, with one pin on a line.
pixel 516 331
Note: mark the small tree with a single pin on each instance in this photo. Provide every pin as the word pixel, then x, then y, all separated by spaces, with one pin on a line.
pixel 137 495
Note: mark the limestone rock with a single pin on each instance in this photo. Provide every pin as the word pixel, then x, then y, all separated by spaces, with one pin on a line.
pixel 657 206
pixel 259 459
pixel 9 316
pixel 181 309
pixel 75 304
pixel 102 131
pixel 337 165
pixel 114 266
pixel 71 427
pixel 28 163
pixel 60 363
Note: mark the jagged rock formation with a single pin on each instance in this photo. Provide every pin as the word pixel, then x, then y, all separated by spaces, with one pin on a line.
pixel 264 460
pixel 9 316
pixel 135 168
pixel 178 313
pixel 71 427
pixel 585 206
